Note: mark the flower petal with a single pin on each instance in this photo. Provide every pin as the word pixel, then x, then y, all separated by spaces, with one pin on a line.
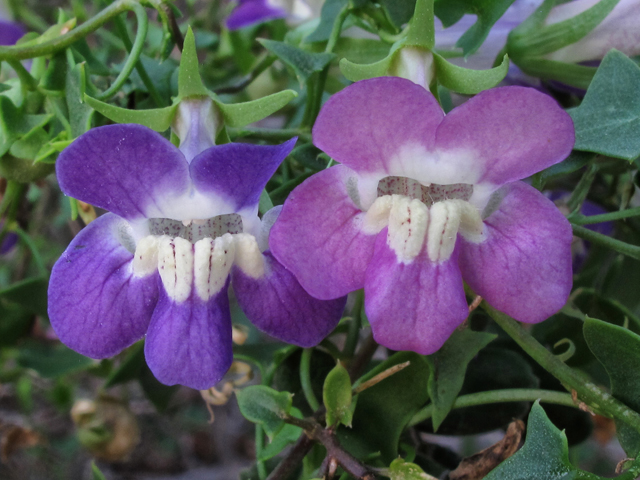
pixel 189 343
pixel 250 12
pixel 317 236
pixel 366 125
pixel 510 132
pixel 280 307
pixel 97 306
pixel 127 169
pixel 413 306
pixel 524 266
pixel 238 172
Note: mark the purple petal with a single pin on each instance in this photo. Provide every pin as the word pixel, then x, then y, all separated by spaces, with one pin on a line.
pixel 366 125
pixel 524 266
pixel 238 172
pixel 96 304
pixel 10 32
pixel 317 236
pixel 189 343
pixel 280 307
pixel 251 12
pixel 414 306
pixel 127 169
pixel 512 132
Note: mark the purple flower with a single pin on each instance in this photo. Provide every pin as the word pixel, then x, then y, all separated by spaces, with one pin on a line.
pixel 251 12
pixel 183 223
pixel 422 202
pixel 10 32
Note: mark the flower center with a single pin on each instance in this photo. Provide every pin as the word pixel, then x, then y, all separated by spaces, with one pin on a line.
pixel 197 254
pixel 416 214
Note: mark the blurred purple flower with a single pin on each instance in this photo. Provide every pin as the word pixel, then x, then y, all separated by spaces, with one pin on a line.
pixel 251 12
pixel 183 223
pixel 423 201
pixel 10 32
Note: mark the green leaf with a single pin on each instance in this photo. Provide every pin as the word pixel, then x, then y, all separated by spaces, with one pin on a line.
pixel 241 114
pixel 130 367
pixel 361 50
pixel 575 161
pixel 421 27
pixel 51 361
pixel 579 76
pixel 328 15
pixel 487 11
pixel 265 406
pixel 14 123
pixel 265 203
pixel 618 349
pixel 158 119
pixel 545 454
pixel 608 120
pixel 29 294
pixel 448 368
pixel 158 393
pixel 303 63
pixel 468 81
pixel 399 11
pixel 189 80
pixel 96 473
pixel 336 396
pixel 80 114
pixel 54 76
pixel 401 470
pixel 288 435
pixel 385 409
pixel 15 323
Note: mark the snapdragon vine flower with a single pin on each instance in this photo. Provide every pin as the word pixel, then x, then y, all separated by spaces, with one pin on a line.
pixel 422 202
pixel 183 222
pixel 251 12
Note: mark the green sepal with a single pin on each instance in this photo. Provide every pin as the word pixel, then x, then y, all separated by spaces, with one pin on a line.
pixel 539 41
pixel 421 27
pixel 189 80
pixel 468 81
pixel 336 396
pixel 618 349
pixel 303 63
pixel 265 203
pixel 356 72
pixel 608 120
pixel 265 406
pixel 241 114
pixel 158 119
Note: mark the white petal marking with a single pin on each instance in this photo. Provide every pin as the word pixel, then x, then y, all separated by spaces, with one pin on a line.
pixel 248 256
pixel 145 260
pixel 441 239
pixel 175 264
pixel 377 217
pixel 408 222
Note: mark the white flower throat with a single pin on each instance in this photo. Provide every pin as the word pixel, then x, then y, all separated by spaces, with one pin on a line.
pixel 416 214
pixel 197 254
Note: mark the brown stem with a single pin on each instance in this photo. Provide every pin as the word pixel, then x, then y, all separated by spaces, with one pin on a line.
pixel 362 358
pixel 294 458
pixel 327 438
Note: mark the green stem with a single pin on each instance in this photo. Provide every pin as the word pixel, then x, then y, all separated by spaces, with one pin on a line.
pixel 581 190
pixel 500 396
pixel 605 217
pixel 144 76
pixel 587 392
pixel 134 55
pixel 62 42
pixel 25 77
pixel 354 327
pixel 262 469
pixel 305 379
pixel 627 249
pixel 37 258
pixel 316 83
